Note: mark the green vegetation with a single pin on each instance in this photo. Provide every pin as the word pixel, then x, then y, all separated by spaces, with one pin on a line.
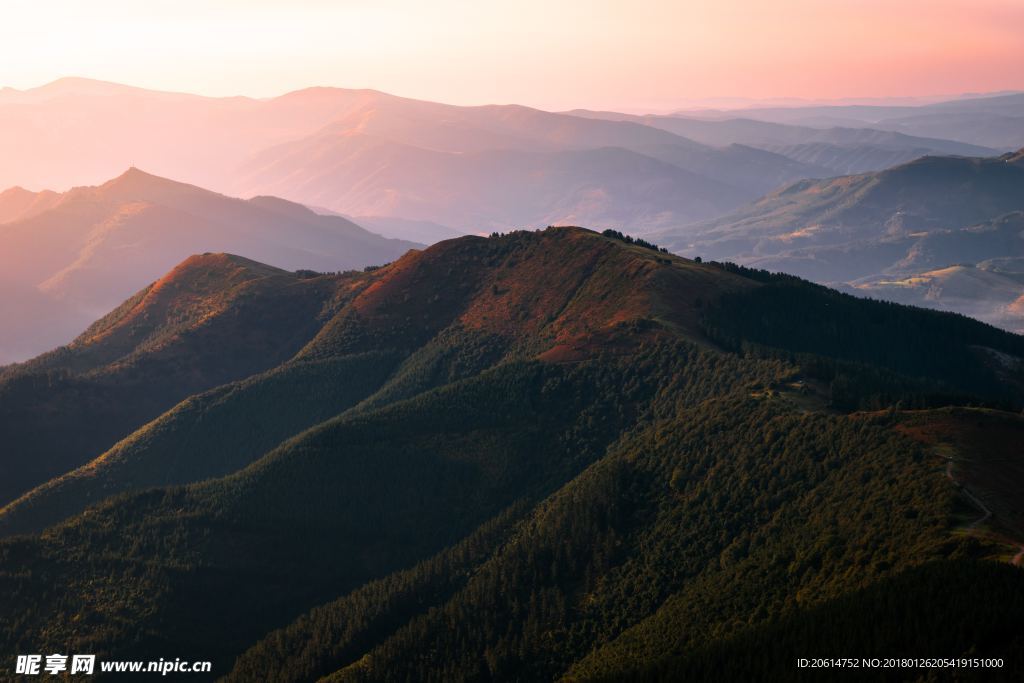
pixel 628 239
pixel 213 320
pixel 942 609
pixel 209 435
pixel 348 501
pixel 872 353
pixel 678 536
pixel 538 456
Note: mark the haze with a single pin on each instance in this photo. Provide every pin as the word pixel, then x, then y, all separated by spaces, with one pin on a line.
pixel 636 55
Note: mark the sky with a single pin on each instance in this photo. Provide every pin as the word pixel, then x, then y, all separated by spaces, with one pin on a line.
pixel 630 55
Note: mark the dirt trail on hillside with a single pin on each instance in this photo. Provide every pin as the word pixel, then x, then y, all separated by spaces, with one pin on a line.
pixel 986 513
pixel 1018 559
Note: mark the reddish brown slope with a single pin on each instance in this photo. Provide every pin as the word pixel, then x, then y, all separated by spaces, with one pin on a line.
pixel 544 293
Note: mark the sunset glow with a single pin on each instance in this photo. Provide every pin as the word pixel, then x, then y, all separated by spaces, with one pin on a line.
pixel 641 54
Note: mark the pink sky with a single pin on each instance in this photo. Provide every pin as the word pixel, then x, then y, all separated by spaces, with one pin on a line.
pixel 632 54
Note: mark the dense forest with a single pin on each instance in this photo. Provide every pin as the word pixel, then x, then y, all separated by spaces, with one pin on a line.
pixel 962 609
pixel 873 353
pixel 536 456
pixel 214 319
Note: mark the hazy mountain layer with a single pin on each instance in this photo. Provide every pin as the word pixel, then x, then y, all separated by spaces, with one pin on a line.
pixel 489 190
pixel 995 121
pixel 913 234
pixel 361 152
pixel 88 249
pixel 832 147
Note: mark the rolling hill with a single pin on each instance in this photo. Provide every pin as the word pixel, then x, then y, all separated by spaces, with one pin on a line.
pixel 928 194
pixel 849 159
pixel 539 455
pixel 88 249
pixel 211 320
pixel 974 291
pixel 912 234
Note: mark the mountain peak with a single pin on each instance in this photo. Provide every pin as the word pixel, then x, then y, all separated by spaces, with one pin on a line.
pixel 196 288
pixel 16 191
pixel 80 82
pixel 73 86
pixel 224 261
pixel 134 173
pixel 17 203
pixel 136 184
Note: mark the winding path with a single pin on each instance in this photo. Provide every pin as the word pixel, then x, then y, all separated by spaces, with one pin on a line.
pixel 1018 559
pixel 974 499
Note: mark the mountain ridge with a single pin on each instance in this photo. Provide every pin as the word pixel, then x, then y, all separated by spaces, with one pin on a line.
pixel 231 142
pixel 559 432
pixel 886 233
pixel 182 334
pixel 91 247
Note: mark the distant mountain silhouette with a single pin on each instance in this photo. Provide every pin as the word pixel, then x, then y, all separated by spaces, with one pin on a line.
pixel 488 190
pixel 892 234
pixel 90 247
pixel 995 121
pixel 835 148
pixel 426 232
pixel 369 142
pixel 388 155
pixel 17 203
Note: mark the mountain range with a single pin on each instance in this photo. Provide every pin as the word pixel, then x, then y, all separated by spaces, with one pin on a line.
pixel 70 257
pixel 540 455
pixel 995 120
pixel 336 390
pixel 464 168
pixel 834 150
pixel 945 232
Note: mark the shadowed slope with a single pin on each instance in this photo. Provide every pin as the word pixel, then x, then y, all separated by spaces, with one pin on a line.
pixel 551 408
pixel 213 319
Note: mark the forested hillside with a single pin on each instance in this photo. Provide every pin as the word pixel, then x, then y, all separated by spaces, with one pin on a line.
pixel 213 319
pixel 538 456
